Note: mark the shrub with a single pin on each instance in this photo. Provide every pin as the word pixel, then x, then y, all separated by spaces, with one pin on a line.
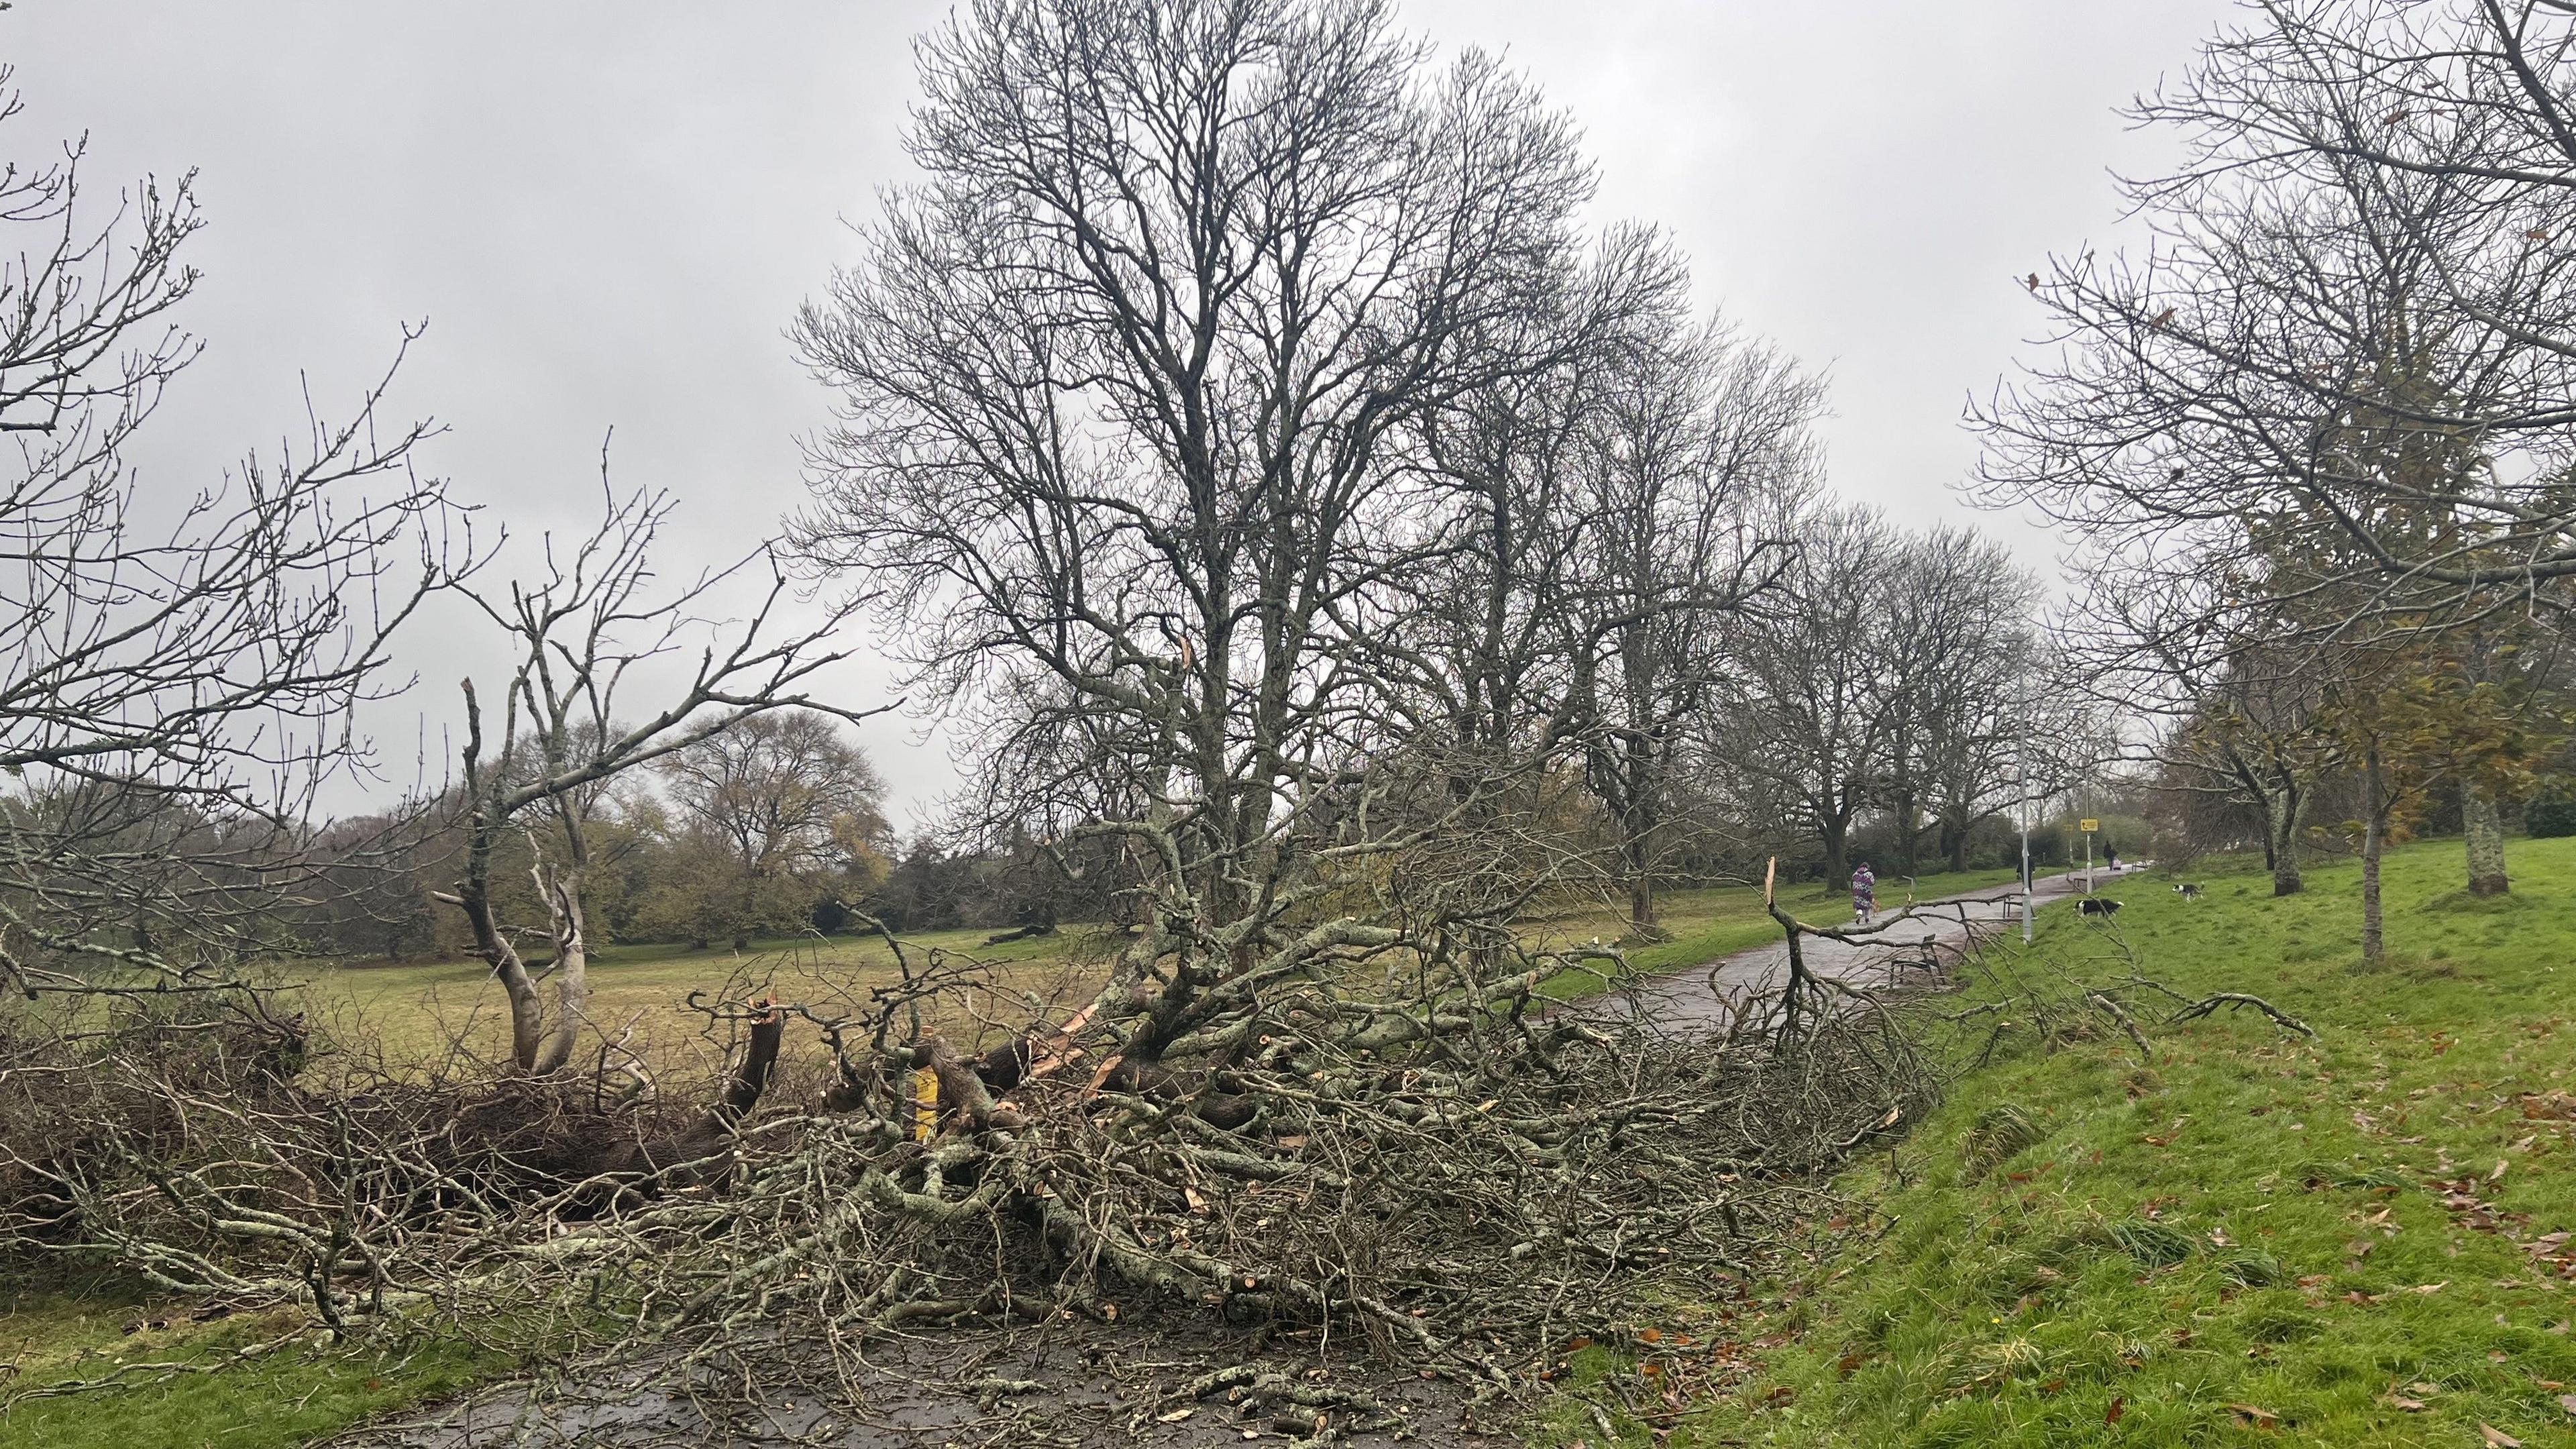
pixel 2550 813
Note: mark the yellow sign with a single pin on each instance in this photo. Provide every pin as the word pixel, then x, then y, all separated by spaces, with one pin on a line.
pixel 2088 826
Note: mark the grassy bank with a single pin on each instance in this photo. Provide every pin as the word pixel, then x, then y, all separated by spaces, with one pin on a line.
pixel 2251 1238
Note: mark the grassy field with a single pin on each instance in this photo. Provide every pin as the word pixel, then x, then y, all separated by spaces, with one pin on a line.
pixel 284 1397
pixel 2252 1239
pixel 417 1008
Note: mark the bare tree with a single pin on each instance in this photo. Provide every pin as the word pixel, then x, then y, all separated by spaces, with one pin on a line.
pixel 1119 381
pixel 2340 374
pixel 1702 439
pixel 1951 644
pixel 565 732
pixel 176 673
pixel 1808 717
pixel 1956 649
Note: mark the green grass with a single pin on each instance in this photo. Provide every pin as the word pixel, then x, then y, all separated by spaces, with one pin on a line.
pixel 2245 1241
pixel 286 1397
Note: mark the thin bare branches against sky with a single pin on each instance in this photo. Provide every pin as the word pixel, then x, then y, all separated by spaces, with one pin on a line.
pixel 608 211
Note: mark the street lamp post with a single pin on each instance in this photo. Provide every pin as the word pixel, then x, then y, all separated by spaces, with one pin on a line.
pixel 2026 901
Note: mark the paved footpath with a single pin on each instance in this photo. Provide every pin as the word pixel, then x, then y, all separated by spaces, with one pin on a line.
pixel 1907 943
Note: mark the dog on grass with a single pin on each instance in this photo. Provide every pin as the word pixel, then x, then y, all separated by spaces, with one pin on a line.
pixel 2102 906
pixel 2188 891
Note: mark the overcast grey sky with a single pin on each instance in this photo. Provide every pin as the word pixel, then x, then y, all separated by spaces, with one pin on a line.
pixel 607 210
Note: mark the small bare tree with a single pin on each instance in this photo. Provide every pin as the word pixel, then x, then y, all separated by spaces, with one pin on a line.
pixel 565 730
pixel 176 672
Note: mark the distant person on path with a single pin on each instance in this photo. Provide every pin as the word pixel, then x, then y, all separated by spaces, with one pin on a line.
pixel 2111 860
pixel 1864 894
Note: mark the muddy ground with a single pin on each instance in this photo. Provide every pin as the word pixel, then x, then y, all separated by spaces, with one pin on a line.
pixel 1067 1384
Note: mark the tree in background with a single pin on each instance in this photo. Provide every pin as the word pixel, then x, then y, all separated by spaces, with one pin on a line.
pixel 1953 646
pixel 1701 436
pixel 771 815
pixel 1806 715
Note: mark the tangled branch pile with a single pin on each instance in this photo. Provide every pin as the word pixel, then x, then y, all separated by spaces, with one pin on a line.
pixel 1465 1198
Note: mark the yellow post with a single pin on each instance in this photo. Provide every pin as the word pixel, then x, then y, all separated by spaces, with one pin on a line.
pixel 925 1098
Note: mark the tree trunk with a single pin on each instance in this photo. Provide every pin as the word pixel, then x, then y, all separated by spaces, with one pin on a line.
pixel 2281 844
pixel 2375 813
pixel 562 891
pixel 1641 902
pixel 1836 836
pixel 518 987
pixel 2483 826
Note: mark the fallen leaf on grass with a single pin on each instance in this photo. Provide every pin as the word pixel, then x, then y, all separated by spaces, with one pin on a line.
pixel 2400 1401
pixel 2118 1407
pixel 2567 1402
pixel 2497 1437
pixel 2261 1418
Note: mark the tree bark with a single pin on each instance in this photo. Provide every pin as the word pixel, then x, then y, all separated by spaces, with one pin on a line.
pixel 2375 813
pixel 1641 901
pixel 2281 844
pixel 572 982
pixel 1836 835
pixel 2482 824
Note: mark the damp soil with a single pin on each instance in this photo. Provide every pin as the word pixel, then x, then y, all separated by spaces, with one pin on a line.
pixel 1077 1384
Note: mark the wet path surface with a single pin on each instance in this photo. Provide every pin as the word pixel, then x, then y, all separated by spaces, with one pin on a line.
pixel 1906 946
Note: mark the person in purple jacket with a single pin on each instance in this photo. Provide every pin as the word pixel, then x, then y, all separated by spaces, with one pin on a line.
pixel 1864 894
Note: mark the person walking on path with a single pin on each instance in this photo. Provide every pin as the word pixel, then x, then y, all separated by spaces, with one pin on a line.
pixel 1864 894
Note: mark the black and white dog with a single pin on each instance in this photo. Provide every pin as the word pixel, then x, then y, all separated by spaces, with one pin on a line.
pixel 2188 891
pixel 2102 906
